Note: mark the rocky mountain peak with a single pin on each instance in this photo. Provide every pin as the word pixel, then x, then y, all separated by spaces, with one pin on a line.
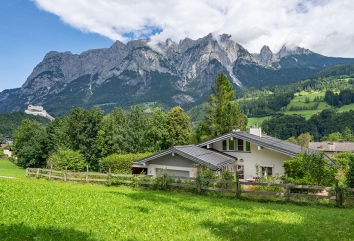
pixel 266 56
pixel 286 51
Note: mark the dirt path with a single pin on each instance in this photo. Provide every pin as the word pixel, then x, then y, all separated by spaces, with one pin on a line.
pixel 7 177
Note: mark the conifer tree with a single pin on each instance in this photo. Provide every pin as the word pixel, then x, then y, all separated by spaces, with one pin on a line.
pixel 224 112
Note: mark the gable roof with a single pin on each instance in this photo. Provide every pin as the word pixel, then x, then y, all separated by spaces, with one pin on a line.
pixel 215 160
pixel 332 146
pixel 269 142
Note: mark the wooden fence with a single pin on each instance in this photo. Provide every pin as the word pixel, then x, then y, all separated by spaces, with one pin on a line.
pixel 283 190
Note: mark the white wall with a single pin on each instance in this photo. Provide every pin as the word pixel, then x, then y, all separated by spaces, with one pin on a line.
pixel 263 156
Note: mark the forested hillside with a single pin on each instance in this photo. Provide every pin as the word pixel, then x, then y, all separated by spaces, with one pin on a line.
pixel 9 122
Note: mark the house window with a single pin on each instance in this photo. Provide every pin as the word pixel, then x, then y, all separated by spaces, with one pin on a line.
pixel 248 146
pixel 267 171
pixel 241 171
pixel 224 145
pixel 239 145
pixel 232 145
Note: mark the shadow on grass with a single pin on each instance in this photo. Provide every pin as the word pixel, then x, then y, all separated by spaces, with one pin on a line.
pixel 160 198
pixel 22 232
pixel 246 230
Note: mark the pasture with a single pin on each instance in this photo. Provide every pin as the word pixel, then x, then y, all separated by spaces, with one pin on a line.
pixel 34 209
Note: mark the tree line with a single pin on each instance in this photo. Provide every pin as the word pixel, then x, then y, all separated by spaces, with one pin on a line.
pixel 90 136
pixel 345 97
pixel 320 126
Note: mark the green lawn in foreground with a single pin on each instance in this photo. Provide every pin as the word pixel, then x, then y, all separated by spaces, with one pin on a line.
pixel 33 209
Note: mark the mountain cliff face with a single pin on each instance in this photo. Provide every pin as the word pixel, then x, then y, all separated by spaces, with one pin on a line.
pixel 169 73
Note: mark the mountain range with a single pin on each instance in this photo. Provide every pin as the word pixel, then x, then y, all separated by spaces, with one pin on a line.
pixel 166 74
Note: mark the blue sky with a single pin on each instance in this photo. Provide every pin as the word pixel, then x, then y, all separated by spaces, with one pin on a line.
pixel 31 28
pixel 28 33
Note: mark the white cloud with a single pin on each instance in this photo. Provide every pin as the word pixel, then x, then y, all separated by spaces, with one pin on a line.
pixel 324 26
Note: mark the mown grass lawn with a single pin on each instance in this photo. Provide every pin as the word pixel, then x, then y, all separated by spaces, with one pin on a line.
pixel 32 209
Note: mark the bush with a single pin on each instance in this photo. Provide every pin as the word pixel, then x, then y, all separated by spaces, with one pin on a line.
pixel 121 163
pixel 350 173
pixel 66 159
pixel 2 154
pixel 310 169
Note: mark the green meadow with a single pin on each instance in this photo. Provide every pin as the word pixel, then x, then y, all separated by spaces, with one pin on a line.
pixel 300 101
pixel 38 209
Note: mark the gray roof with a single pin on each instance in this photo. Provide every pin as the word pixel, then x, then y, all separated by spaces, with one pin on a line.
pixel 332 146
pixel 213 159
pixel 269 142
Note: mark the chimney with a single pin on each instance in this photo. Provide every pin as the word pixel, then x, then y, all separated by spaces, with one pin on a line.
pixel 256 130
pixel 235 128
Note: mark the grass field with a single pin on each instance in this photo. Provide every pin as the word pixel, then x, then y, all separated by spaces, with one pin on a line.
pixel 33 209
pixel 299 100
pixel 346 108
pixel 256 120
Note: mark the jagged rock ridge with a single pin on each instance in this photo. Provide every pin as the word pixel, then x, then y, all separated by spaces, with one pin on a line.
pixel 169 73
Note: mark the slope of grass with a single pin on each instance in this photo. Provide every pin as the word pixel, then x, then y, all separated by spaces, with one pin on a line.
pixel 308 113
pixel 346 108
pixel 8 169
pixel 34 209
pixel 256 120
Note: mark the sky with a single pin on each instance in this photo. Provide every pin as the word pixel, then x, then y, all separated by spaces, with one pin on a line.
pixel 31 28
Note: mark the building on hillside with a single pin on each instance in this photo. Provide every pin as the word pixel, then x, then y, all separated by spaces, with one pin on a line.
pixel 38 110
pixel 332 147
pixel 234 151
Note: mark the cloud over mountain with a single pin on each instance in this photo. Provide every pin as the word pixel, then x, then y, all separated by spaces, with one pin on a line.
pixel 324 26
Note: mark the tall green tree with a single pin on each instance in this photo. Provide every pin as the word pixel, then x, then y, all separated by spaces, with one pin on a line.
pixel 223 112
pixel 178 127
pixel 30 144
pixel 136 130
pixel 58 134
pixel 111 138
pixel 156 131
pixel 84 126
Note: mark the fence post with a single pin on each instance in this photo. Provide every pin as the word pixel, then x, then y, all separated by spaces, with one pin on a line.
pixel 339 195
pixel 50 173
pixel 26 172
pixel 87 170
pixel 238 185
pixel 37 173
pixel 64 176
pixel 109 174
pixel 287 188
pixel 197 179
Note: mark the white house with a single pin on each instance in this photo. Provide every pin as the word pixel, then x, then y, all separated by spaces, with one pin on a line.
pixel 236 150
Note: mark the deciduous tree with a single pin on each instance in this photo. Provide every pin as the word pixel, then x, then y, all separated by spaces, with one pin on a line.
pixel 178 127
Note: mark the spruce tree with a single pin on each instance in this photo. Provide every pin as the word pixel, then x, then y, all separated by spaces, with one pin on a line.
pixel 224 113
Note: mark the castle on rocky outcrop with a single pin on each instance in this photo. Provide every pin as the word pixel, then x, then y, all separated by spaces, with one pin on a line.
pixel 38 110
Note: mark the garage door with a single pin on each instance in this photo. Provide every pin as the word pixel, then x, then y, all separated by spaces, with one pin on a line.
pixel 172 172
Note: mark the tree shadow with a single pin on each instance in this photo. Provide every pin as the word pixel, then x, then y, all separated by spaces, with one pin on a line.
pixel 160 197
pixel 21 232
pixel 245 230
